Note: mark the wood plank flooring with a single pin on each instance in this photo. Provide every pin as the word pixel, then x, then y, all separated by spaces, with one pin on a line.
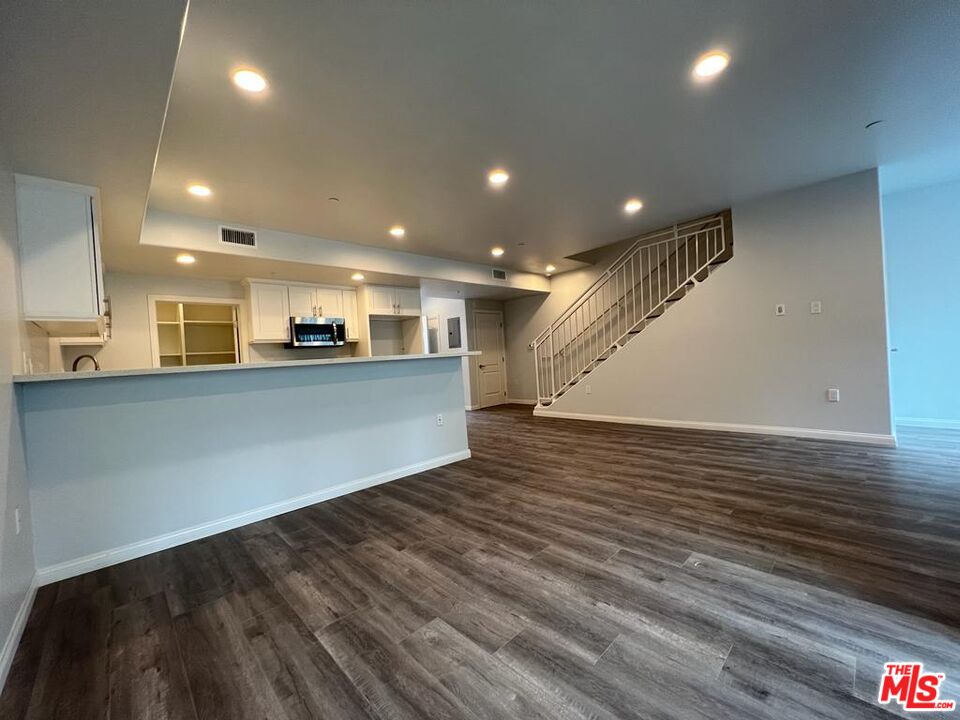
pixel 568 571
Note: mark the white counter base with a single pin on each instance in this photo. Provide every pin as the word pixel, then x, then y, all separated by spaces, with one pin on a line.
pixel 132 464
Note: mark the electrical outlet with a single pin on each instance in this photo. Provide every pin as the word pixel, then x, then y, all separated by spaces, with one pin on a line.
pixel 589 390
pixel 833 395
pixel 781 309
pixel 16 519
pixel 816 307
pixel 439 420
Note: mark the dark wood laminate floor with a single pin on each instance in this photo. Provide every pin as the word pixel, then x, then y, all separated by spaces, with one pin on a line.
pixel 568 570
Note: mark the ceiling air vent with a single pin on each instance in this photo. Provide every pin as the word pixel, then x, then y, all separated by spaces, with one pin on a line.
pixel 236 236
pixel 499 274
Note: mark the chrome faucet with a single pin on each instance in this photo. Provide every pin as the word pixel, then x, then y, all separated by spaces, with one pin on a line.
pixel 96 365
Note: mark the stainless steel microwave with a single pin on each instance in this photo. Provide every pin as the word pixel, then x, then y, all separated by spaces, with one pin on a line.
pixel 317 332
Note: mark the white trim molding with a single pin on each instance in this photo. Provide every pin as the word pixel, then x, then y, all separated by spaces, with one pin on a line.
pixel 97 561
pixel 521 401
pixel 935 423
pixel 798 432
pixel 16 631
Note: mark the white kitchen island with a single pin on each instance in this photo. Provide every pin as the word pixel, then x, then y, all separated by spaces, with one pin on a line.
pixel 127 462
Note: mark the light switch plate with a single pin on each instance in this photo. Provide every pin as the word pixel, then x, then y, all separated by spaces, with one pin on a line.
pixel 833 395
pixel 816 307
pixel 780 309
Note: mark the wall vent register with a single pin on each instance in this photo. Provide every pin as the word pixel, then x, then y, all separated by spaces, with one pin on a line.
pixel 236 236
pixel 499 274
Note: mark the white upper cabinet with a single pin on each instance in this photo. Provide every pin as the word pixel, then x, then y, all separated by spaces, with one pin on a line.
pixel 306 301
pixel 329 302
pixel 303 301
pixel 382 300
pixel 350 315
pixel 60 268
pixel 269 312
pixel 408 301
pixel 272 304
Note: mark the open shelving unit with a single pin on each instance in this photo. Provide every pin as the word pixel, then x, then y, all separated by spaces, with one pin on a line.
pixel 193 333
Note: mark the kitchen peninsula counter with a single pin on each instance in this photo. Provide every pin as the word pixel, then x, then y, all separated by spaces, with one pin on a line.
pixel 123 463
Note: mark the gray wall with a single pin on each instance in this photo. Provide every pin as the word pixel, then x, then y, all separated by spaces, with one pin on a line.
pixel 121 467
pixel 16 551
pixel 722 356
pixel 922 233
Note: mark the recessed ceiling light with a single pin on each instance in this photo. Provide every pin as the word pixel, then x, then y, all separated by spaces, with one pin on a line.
pixel 498 177
pixel 550 268
pixel 199 190
pixel 632 206
pixel 497 251
pixel 357 276
pixel 250 81
pixel 398 231
pixel 186 259
pixel 711 64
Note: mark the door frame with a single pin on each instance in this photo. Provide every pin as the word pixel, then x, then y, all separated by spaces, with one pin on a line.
pixel 476 402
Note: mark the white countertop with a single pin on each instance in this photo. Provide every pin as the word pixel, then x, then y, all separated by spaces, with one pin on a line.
pixel 137 372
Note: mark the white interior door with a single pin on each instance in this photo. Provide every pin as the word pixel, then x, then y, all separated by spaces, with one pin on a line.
pixel 491 364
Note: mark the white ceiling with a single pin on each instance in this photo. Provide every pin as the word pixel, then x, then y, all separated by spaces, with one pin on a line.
pixel 83 90
pixel 399 109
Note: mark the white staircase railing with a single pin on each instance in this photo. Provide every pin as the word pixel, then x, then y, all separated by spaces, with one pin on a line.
pixel 656 270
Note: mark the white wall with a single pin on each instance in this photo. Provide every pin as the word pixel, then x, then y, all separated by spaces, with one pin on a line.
pixel 16 551
pixel 721 357
pixel 446 308
pixel 120 467
pixel 922 233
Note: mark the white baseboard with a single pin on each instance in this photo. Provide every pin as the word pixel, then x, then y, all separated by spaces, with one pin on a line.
pixel 521 401
pixel 472 407
pixel 96 561
pixel 16 631
pixel 935 423
pixel 812 433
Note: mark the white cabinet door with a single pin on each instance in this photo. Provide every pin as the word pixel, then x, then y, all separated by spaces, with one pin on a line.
pixel 329 302
pixel 59 258
pixel 350 315
pixel 408 301
pixel 381 300
pixel 269 312
pixel 303 300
